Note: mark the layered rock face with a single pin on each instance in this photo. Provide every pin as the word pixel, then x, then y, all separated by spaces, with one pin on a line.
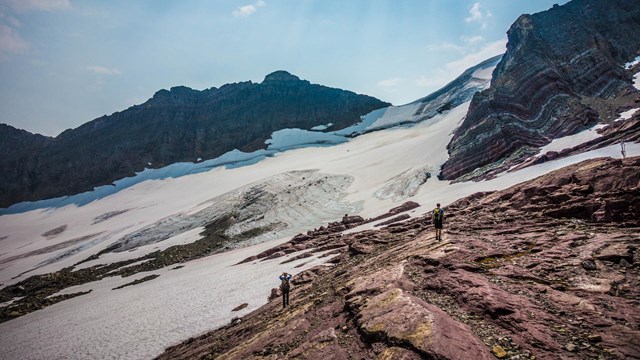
pixel 558 64
pixel 180 124
pixel 547 269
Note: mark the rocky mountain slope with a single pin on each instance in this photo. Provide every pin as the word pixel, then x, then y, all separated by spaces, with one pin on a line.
pixel 546 269
pixel 562 72
pixel 175 125
pixel 17 147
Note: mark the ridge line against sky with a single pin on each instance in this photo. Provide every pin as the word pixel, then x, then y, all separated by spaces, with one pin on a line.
pixel 66 62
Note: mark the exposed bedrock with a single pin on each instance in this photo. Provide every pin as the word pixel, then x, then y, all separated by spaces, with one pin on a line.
pixel 515 277
pixel 557 62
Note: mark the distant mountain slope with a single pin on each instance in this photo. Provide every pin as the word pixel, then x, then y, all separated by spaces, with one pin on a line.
pixel 17 148
pixel 175 125
pixel 561 68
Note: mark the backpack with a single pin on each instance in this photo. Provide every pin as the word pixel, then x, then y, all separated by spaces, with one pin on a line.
pixel 437 214
pixel 284 285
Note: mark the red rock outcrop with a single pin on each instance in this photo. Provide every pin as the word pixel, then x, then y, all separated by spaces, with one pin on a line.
pixel 558 64
pixel 512 279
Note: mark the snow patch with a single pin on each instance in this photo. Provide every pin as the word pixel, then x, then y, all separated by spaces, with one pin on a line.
pixel 395 115
pixel 632 63
pixel 140 321
pixel 484 74
pixel 322 127
pixel 287 139
pixel 567 142
pixel 627 114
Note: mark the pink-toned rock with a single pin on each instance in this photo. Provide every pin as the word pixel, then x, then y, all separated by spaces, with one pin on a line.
pixel 401 318
pixel 615 252
pixel 409 205
pixel 398 353
pixel 300 238
pixel 275 293
pixel 354 219
pixel 275 255
pixel 359 248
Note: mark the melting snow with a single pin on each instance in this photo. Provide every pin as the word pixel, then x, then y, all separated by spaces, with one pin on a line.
pixel 627 114
pixel 322 127
pixel 631 64
pixel 570 141
pixel 287 139
pixel 484 74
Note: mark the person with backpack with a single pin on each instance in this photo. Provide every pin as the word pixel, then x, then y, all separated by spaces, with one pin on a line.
pixel 284 288
pixel 438 219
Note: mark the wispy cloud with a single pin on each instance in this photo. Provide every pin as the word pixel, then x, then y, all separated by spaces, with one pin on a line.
pixel 469 44
pixel 448 46
pixel 476 15
pixel 247 10
pixel 442 75
pixel 472 39
pixel 389 85
pixel 101 70
pixel 10 42
pixel 490 50
pixel 37 5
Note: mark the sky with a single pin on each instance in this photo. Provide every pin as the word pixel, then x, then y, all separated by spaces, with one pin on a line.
pixel 66 62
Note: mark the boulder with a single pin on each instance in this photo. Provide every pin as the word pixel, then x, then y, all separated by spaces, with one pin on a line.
pixel 398 317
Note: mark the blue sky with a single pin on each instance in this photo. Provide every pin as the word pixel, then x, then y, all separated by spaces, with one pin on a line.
pixel 66 62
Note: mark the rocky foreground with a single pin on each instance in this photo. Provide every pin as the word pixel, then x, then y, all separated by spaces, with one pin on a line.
pixel 547 269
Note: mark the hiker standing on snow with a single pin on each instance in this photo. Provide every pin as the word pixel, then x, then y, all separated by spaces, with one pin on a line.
pixel 438 219
pixel 284 288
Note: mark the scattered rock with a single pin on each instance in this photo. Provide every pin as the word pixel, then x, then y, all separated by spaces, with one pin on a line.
pixel 624 263
pixel 275 293
pixel 498 351
pixel 594 338
pixel 358 248
pixel 275 255
pixel 571 347
pixel 240 307
pixel 588 264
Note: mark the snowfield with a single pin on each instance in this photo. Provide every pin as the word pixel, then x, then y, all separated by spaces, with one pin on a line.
pixel 298 189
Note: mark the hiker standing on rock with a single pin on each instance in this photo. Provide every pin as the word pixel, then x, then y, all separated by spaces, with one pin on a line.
pixel 284 288
pixel 438 219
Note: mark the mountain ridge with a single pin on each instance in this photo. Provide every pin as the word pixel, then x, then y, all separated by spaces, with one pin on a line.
pixel 561 74
pixel 180 124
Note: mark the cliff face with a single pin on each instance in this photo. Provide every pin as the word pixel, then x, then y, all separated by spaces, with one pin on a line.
pixel 559 63
pixel 17 148
pixel 546 269
pixel 175 125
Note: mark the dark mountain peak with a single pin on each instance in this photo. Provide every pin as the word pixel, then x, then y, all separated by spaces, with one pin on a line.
pixel 7 130
pixel 176 91
pixel 183 90
pixel 280 76
pixel 176 125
